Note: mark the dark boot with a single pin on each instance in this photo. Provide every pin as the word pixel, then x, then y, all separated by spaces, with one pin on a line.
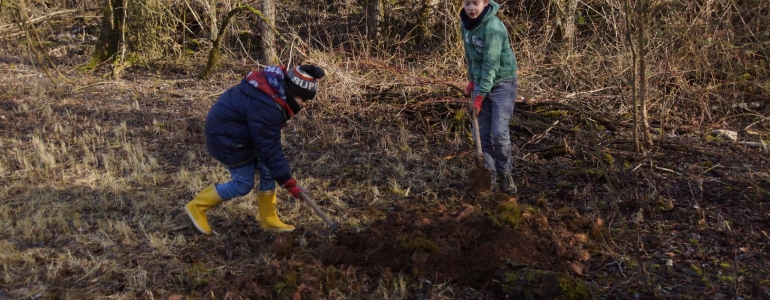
pixel 507 185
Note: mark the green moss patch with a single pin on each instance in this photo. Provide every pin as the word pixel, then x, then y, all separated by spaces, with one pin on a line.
pixel 420 243
pixel 509 214
pixel 531 283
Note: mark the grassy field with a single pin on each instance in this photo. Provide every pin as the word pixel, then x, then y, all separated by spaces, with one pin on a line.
pixel 95 174
pixel 95 171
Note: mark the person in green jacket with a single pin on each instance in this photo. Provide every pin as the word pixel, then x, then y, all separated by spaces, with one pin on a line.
pixel 492 84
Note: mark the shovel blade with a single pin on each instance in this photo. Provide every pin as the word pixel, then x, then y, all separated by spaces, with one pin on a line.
pixel 481 180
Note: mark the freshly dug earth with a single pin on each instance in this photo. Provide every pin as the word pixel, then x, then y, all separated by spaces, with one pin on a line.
pixel 464 247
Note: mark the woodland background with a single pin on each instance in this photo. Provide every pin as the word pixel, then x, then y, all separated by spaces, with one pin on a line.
pixel 640 149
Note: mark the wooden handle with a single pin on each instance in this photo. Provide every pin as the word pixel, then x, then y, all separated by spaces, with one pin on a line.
pixel 334 226
pixel 477 138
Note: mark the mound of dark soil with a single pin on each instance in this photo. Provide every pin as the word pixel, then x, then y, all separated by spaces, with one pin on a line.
pixel 465 247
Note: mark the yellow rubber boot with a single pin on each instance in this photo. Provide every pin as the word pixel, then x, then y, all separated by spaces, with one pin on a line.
pixel 196 209
pixel 268 215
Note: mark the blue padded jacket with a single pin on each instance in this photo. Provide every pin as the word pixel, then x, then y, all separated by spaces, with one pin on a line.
pixel 245 123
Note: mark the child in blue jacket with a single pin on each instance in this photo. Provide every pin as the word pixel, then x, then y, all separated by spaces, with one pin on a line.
pixel 492 83
pixel 243 131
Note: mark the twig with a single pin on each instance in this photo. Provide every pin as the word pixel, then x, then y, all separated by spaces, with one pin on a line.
pixel 373 250
pixel 664 169
pixel 28 29
pixel 539 137
pixel 213 95
pixel 748 28
pixel 709 169
pixel 755 123
pixel 93 85
pixel 573 95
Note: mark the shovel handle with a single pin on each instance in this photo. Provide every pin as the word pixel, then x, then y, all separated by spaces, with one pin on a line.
pixel 334 226
pixel 476 137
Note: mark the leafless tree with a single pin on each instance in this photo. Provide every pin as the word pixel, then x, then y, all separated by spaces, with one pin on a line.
pixel 374 14
pixel 269 54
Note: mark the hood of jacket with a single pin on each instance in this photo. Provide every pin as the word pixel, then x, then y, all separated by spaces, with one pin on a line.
pixel 493 8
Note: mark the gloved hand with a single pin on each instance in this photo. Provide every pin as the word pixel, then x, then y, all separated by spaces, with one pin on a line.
pixel 293 188
pixel 477 103
pixel 470 87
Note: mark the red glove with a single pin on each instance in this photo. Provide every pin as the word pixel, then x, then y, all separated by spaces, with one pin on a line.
pixel 293 188
pixel 477 103
pixel 470 87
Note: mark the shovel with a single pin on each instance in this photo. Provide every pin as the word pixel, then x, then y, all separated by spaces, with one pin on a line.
pixel 335 228
pixel 481 178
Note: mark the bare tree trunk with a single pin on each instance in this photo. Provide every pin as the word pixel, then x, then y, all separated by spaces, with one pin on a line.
pixel 569 26
pixel 269 54
pixel 634 95
pixel 642 69
pixel 211 7
pixel 374 15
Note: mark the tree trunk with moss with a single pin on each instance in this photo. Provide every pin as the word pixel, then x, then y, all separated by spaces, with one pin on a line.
pixel 427 19
pixel 214 54
pixel 564 22
pixel 132 32
pixel 108 43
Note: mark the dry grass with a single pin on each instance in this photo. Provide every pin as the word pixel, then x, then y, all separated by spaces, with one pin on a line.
pixel 95 182
pixel 94 173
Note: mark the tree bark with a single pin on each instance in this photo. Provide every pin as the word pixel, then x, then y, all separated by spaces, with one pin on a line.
pixel 427 19
pixel 269 54
pixel 634 82
pixel 569 26
pixel 642 18
pixel 108 42
pixel 109 36
pixel 211 7
pixel 374 15
pixel 214 54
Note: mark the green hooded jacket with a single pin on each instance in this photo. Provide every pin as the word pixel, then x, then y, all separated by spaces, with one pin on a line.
pixel 488 52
